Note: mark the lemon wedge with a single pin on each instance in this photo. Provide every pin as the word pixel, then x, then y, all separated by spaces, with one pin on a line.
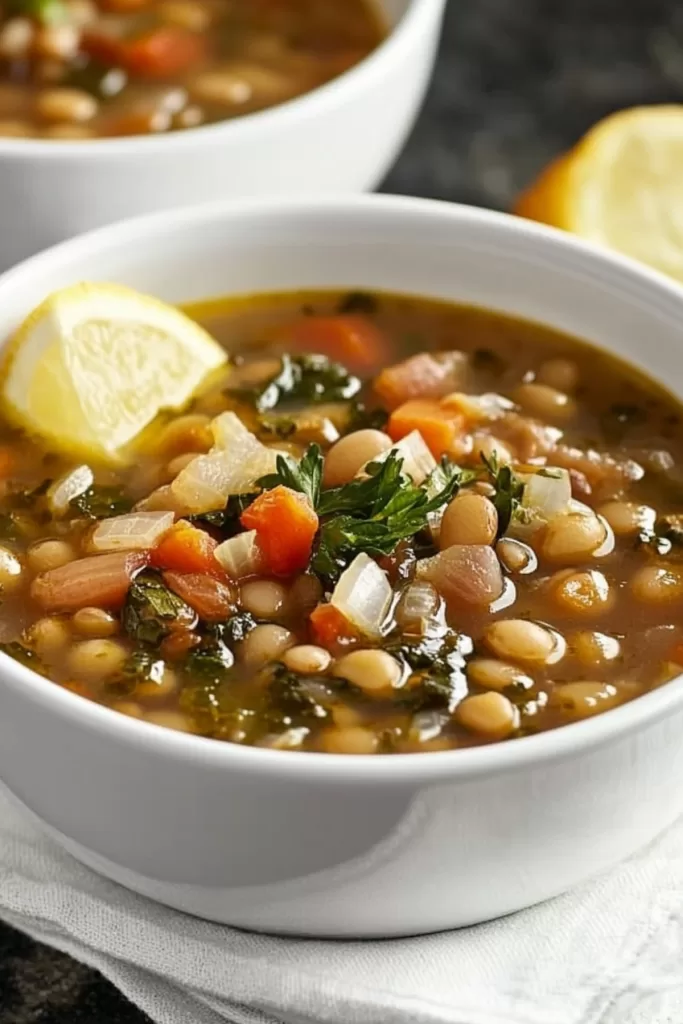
pixel 621 186
pixel 94 364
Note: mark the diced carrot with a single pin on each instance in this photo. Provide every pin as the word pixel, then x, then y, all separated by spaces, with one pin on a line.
pixel 422 376
pixel 185 548
pixel 285 524
pixel 7 460
pixel 352 339
pixel 331 629
pixel 162 53
pixel 438 427
pixel 101 581
pixel 212 600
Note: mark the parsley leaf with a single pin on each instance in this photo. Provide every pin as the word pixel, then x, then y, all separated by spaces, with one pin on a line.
pixel 305 476
pixel 509 490
pixel 304 379
pixel 151 609
pixel 373 515
pixel 102 502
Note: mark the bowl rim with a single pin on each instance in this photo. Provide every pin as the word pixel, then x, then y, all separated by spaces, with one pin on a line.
pixel 356 79
pixel 396 769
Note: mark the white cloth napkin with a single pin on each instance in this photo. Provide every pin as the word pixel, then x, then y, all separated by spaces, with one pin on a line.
pixel 609 953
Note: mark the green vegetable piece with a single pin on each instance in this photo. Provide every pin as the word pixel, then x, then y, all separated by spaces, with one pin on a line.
pixel 151 609
pixel 292 701
pixel 509 491
pixel 226 519
pixel 48 12
pixel 102 502
pixel 439 664
pixel 359 302
pixel 142 666
pixel 24 655
pixel 302 380
pixel 305 476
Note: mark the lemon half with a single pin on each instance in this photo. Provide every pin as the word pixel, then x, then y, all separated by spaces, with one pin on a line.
pixel 621 186
pixel 94 364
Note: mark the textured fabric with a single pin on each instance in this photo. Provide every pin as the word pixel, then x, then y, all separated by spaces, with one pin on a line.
pixel 609 953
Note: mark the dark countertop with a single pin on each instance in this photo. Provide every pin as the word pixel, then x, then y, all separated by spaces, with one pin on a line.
pixel 517 82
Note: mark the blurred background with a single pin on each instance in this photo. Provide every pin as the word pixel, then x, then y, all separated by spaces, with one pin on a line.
pixel 517 82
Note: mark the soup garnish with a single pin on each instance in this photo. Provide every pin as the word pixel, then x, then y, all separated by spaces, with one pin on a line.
pixel 383 525
pixel 82 69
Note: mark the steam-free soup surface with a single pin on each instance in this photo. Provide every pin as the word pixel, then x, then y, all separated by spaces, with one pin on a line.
pixel 472 533
pixel 80 69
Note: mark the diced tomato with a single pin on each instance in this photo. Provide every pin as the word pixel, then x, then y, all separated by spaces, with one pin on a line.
pixel 422 376
pixel 331 629
pixel 352 339
pixel 439 427
pixel 212 600
pixel 161 53
pixel 187 549
pixel 285 524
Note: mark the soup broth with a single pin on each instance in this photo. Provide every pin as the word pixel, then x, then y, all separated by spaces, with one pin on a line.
pixel 473 532
pixel 80 69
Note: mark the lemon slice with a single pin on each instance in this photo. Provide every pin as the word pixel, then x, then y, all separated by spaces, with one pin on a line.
pixel 94 364
pixel 621 186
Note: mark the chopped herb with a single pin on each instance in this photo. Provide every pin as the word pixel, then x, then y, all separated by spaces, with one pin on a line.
pixel 363 418
pixel 304 380
pixel 509 490
pixel 373 515
pixel 49 12
pixel 359 302
pixel 292 699
pixel 304 476
pixel 24 655
pixel 226 519
pixel 438 664
pixel 9 531
pixel 211 662
pixel 141 666
pixel 151 609
pixel 102 502
pixel 280 427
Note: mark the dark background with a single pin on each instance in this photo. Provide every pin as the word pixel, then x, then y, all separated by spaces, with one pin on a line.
pixel 517 82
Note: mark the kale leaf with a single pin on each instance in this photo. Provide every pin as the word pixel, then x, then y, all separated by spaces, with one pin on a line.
pixel 151 609
pixel 102 502
pixel 210 663
pixel 438 664
pixel 226 519
pixel 304 380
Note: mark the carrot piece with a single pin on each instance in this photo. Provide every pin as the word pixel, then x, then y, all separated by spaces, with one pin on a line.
pixel 439 427
pixel 187 549
pixel 212 600
pixel 422 376
pixel 285 524
pixel 331 629
pixel 162 53
pixel 351 338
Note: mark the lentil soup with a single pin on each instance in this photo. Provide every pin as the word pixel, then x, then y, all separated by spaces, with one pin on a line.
pixel 391 526
pixel 81 69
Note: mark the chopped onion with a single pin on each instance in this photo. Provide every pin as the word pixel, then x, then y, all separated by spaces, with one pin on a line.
pixel 233 466
pixel 418 461
pixel 240 556
pixel 66 488
pixel 420 611
pixel 547 493
pixel 363 596
pixel 478 408
pixel 138 531
pixel 464 573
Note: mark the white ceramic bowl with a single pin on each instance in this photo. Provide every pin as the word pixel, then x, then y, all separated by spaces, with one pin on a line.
pixel 326 844
pixel 340 138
